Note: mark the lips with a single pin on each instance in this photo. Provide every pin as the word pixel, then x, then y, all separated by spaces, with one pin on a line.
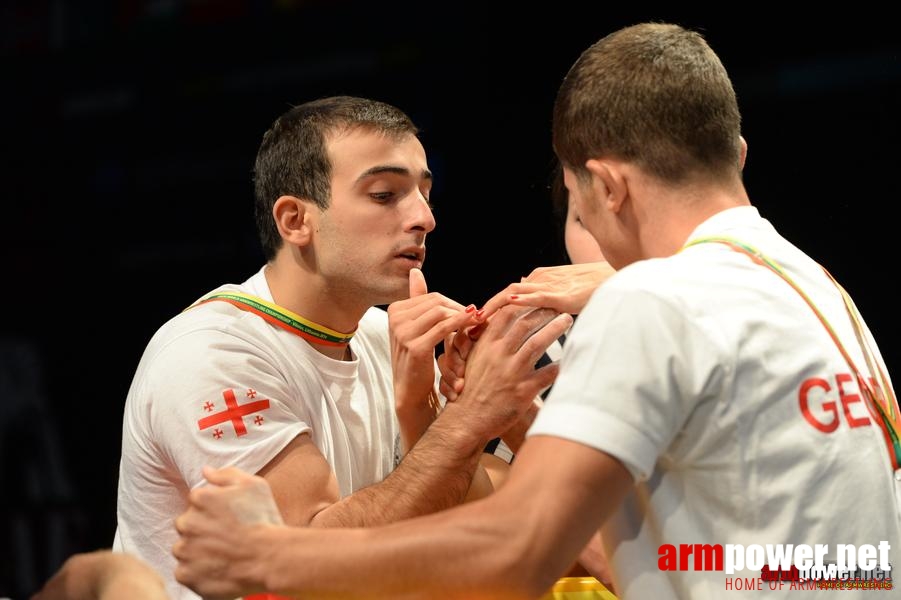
pixel 414 253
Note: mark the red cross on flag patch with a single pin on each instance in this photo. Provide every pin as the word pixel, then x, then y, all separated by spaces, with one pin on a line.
pixel 233 413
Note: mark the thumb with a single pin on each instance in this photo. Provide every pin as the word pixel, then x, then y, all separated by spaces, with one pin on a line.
pixel 417 283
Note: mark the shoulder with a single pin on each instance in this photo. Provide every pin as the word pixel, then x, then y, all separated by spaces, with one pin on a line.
pixel 660 278
pixel 208 322
pixel 211 338
pixel 653 295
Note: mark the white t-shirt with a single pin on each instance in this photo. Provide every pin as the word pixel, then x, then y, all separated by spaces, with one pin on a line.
pixel 220 386
pixel 717 386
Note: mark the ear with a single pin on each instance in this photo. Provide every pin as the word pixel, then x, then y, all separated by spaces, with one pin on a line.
pixel 293 219
pixel 608 183
pixel 744 153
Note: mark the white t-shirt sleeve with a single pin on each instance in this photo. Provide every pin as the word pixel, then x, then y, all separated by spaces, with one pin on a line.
pixel 634 367
pixel 219 401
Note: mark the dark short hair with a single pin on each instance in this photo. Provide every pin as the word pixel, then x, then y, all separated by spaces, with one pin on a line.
pixel 293 159
pixel 655 94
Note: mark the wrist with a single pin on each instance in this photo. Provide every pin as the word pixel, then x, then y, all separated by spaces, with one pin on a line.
pixel 453 426
pixel 409 404
pixel 268 558
pixel 415 418
pixel 426 408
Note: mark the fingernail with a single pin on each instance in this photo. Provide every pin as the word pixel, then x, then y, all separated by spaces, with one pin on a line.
pixel 480 313
pixel 470 308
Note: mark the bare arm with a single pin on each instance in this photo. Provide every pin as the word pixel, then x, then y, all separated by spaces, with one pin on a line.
pixel 103 575
pixel 433 476
pixel 593 560
pixel 513 544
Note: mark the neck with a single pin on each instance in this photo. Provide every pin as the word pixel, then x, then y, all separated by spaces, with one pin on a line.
pixel 303 293
pixel 675 214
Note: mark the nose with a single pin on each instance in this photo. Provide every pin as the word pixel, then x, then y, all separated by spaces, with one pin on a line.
pixel 420 216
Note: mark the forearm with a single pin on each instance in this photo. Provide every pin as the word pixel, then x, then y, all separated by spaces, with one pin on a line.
pixel 451 555
pixel 415 417
pixel 436 474
pixel 103 575
pixel 126 585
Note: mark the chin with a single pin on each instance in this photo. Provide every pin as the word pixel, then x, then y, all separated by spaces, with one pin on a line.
pixel 388 296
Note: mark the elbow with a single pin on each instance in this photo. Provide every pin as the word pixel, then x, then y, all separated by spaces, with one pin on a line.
pixel 515 571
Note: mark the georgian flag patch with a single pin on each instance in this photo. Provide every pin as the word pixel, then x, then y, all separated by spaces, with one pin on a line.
pixel 232 414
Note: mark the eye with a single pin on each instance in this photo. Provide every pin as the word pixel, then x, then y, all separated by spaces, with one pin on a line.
pixel 381 196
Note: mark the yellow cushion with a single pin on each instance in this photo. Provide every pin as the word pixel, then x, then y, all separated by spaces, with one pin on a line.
pixel 578 588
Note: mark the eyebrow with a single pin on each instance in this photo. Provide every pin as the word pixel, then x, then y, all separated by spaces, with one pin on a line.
pixel 426 174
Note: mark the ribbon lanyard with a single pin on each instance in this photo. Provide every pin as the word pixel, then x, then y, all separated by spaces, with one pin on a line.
pixel 282 317
pixel 881 400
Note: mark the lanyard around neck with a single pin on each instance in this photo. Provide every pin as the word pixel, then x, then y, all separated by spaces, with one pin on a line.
pixel 281 317
pixel 881 400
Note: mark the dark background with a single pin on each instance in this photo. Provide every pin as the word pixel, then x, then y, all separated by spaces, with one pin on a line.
pixel 129 131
